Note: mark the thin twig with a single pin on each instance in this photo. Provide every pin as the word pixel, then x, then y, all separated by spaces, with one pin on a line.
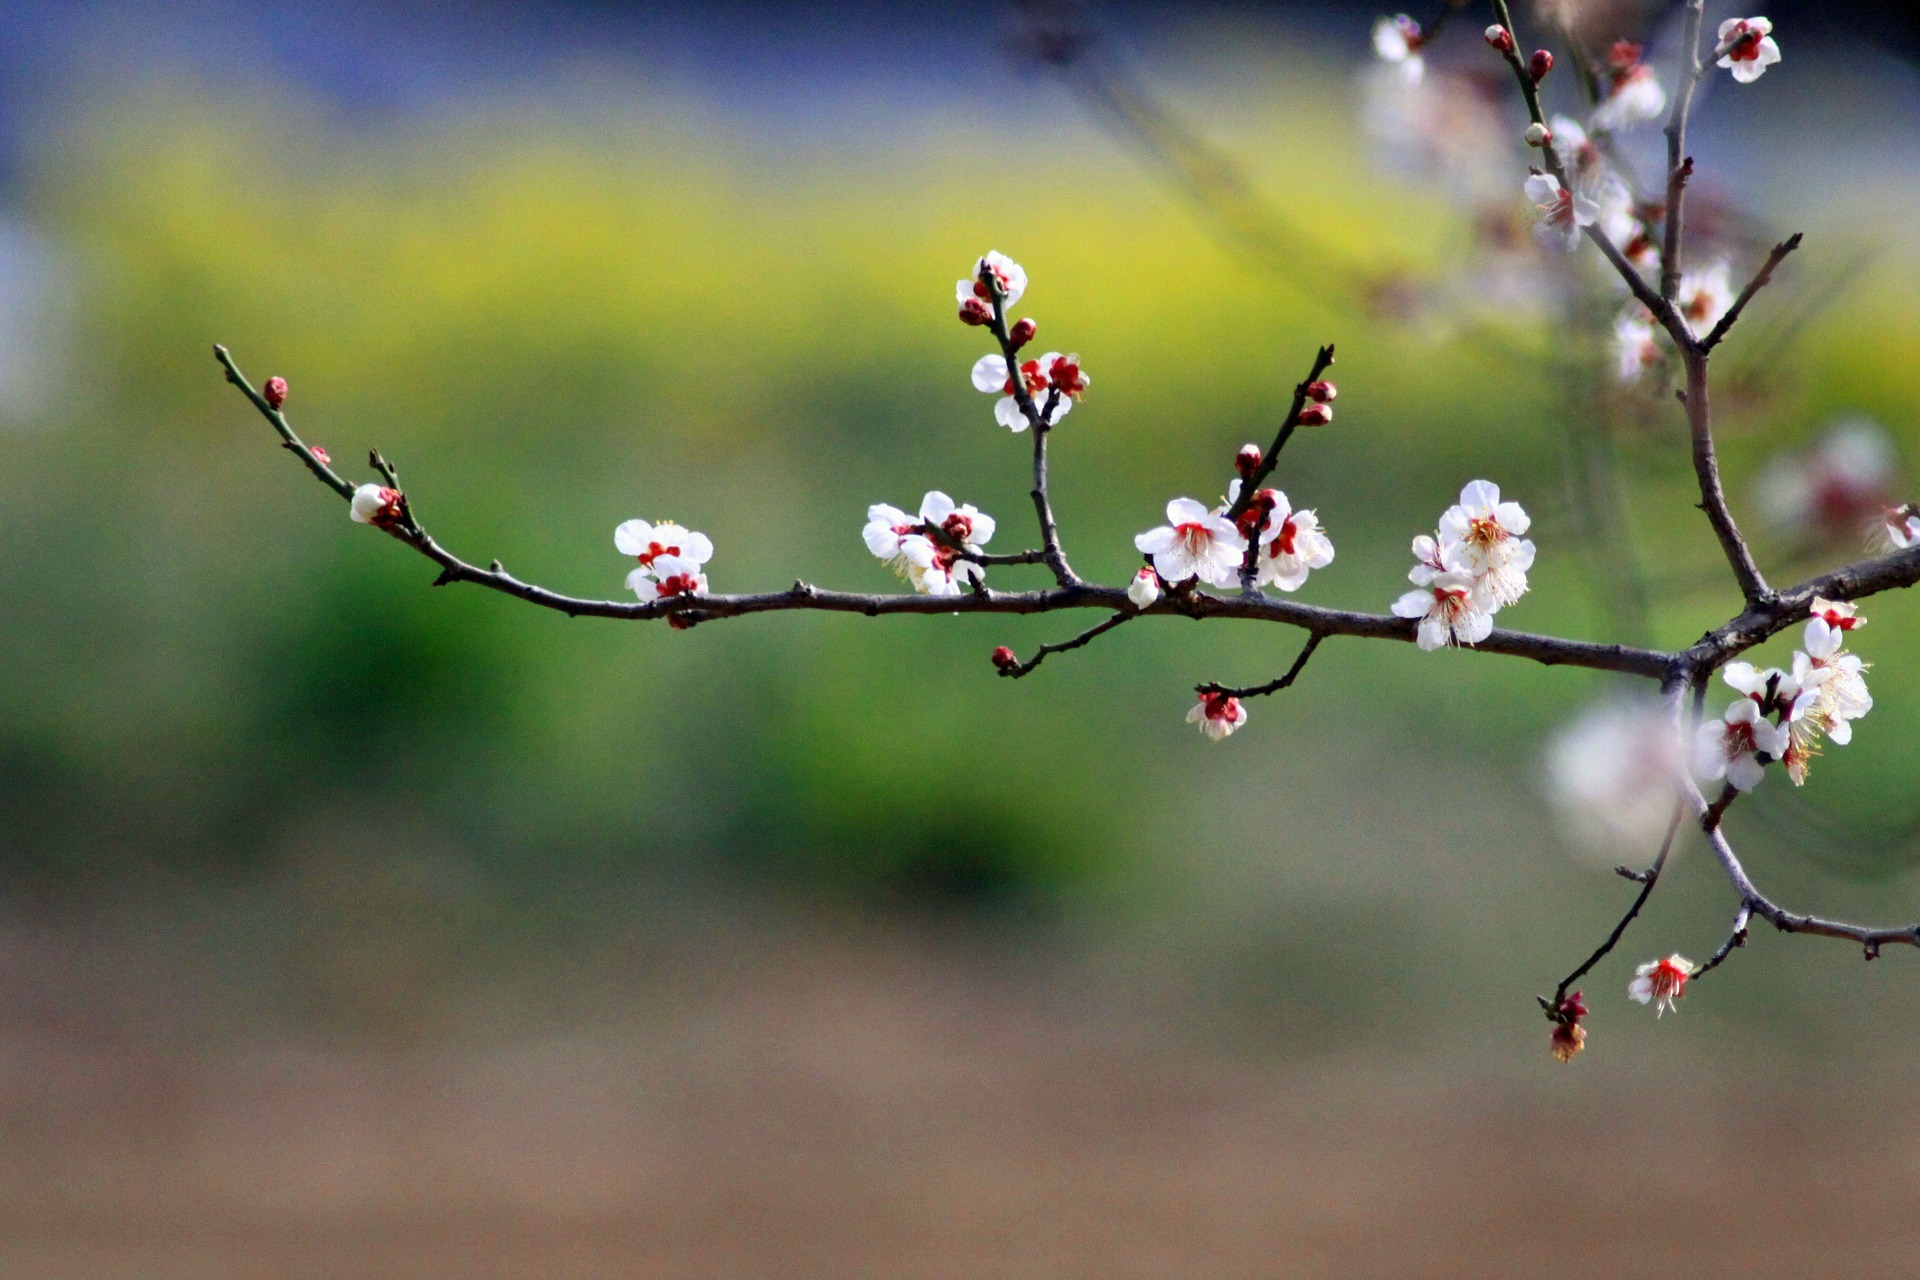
pixel 1271 686
pixel 1085 637
pixel 1679 166
pixel 1322 361
pixel 1759 281
pixel 1736 937
pixel 1039 422
pixel 1647 880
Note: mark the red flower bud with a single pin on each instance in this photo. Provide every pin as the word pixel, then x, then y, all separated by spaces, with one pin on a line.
pixel 1004 658
pixel 1022 332
pixel 975 311
pixel 1315 415
pixel 275 392
pixel 326 459
pixel 1247 459
pixel 1500 38
pixel 1324 392
pixel 1539 64
pixel 680 621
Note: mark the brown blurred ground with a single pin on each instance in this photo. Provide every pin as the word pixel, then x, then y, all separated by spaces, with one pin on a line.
pixel 880 1107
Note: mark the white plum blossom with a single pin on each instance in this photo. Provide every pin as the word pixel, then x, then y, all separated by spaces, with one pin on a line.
pixel 1705 296
pixel 1613 778
pixel 667 576
pixel 1730 747
pixel 1562 212
pixel 1396 42
pixel 1194 543
pixel 1577 151
pixel 376 505
pixel 1901 526
pixel 928 549
pixel 1635 348
pixel 1837 674
pixel 1217 715
pixel 1430 559
pixel 1291 544
pixel 1010 275
pixel 1746 48
pixel 1661 982
pixel 1145 588
pixel 1484 535
pixel 1446 612
pixel 1621 222
pixel 990 375
pixel 1634 95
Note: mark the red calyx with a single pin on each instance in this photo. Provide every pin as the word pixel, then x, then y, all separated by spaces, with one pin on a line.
pixel 1500 38
pixel 1539 64
pixel 1004 659
pixel 1322 392
pixel 975 311
pixel 1022 332
pixel 1315 415
pixel 1246 460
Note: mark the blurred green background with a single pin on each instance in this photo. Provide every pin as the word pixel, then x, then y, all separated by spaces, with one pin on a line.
pixel 327 799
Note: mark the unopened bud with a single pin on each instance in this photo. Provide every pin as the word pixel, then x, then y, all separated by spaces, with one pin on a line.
pixel 1500 38
pixel 326 459
pixel 1538 135
pixel 275 392
pixel 975 311
pixel 1022 332
pixel 1322 391
pixel 1539 64
pixel 1247 459
pixel 1315 415
pixel 1004 658
pixel 680 621
pixel 1144 589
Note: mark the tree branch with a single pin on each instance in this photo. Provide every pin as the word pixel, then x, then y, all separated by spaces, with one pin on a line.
pixel 1085 637
pixel 1321 363
pixel 1646 879
pixel 1271 686
pixel 1759 281
pixel 1679 166
pixel 1039 422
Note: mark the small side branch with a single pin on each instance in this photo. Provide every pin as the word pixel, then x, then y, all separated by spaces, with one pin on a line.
pixel 1086 637
pixel 1039 422
pixel 1759 282
pixel 1736 937
pixel 1679 165
pixel 1271 686
pixel 1647 880
pixel 1321 363
pixel 293 442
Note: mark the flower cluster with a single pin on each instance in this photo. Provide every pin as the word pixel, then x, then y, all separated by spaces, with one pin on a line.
pixel 930 550
pixel 1473 566
pixel 1049 384
pixel 1784 715
pixel 671 559
pixel 1634 95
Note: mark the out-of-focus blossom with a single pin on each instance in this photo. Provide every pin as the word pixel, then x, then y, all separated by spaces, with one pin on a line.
pixel 1446 612
pixel 1835 489
pixel 1635 348
pixel 1194 543
pixel 1661 982
pixel 1613 779
pixel 1447 129
pixel 1145 588
pixel 1577 151
pixel 1396 42
pixel 1217 715
pixel 1704 297
pixel 1746 48
pixel 1634 95
pixel 1901 526
pixel 1563 213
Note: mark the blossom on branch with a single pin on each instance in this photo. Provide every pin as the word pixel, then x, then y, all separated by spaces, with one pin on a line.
pixel 1291 543
pixel 1730 747
pixel 1661 982
pixel 930 550
pixel 648 542
pixel 1635 348
pixel 1901 526
pixel 1217 714
pixel 1446 612
pixel 1746 48
pixel 1194 543
pixel 1145 588
pixel 1008 275
pixel 1396 42
pixel 667 576
pixel 1563 213
pixel 376 505
pixel 1482 534
pixel 990 375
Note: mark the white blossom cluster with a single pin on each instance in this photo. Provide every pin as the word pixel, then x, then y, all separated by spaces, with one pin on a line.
pixel 671 559
pixel 1471 567
pixel 1784 715
pixel 930 550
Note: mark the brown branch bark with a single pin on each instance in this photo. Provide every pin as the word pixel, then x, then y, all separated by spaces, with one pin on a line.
pixel 1271 686
pixel 1759 282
